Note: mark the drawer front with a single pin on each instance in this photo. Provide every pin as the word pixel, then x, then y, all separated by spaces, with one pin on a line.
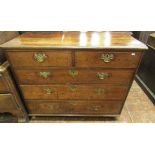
pixel 39 58
pixel 7 102
pixel 74 76
pixel 73 107
pixel 107 60
pixel 3 88
pixel 8 105
pixel 74 91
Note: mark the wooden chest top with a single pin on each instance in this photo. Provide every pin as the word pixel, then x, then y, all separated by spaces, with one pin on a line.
pixel 75 40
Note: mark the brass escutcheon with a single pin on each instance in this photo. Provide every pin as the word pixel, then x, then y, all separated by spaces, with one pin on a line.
pixel 44 74
pixel 73 73
pixel 96 108
pixel 73 88
pixel 107 57
pixel 99 91
pixel 49 91
pixel 102 75
pixel 40 57
pixel 51 107
pixel 73 102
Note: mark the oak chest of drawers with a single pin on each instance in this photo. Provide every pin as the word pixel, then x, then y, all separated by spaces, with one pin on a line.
pixel 74 73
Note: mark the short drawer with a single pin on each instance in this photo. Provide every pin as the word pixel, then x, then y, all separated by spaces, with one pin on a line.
pixel 107 60
pixel 48 107
pixel 49 76
pixel 83 91
pixel 40 58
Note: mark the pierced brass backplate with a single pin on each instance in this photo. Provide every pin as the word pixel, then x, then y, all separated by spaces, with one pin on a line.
pixel 102 75
pixel 44 74
pixel 40 57
pixel 107 57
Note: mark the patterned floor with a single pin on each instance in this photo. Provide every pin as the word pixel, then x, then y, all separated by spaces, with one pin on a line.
pixel 138 109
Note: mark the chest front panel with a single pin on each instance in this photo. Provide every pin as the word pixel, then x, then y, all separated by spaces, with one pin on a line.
pixel 87 76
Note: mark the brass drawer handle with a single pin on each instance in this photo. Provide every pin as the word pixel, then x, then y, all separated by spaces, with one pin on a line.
pixel 102 75
pixel 73 73
pixel 40 57
pixel 107 57
pixel 44 74
pixel 49 91
pixel 99 91
pixel 73 88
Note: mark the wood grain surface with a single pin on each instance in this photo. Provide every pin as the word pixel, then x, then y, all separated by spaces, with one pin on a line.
pixel 9 105
pixel 3 87
pixel 53 58
pixel 120 60
pixel 78 40
pixel 85 91
pixel 46 107
pixel 64 76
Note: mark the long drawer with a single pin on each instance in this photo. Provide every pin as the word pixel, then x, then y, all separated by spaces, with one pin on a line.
pixel 85 91
pixel 107 60
pixel 62 76
pixel 73 107
pixel 40 58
